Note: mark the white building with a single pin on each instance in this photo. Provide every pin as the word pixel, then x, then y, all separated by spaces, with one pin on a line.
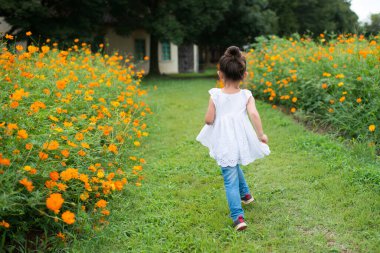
pixel 171 58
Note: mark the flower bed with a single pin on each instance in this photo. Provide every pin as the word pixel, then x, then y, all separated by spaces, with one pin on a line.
pixel 336 82
pixel 71 126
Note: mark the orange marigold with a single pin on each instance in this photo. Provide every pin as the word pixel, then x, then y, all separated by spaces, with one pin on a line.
pixel 54 202
pixel 69 174
pixel 54 175
pixel 101 203
pixel 22 134
pixel 112 148
pixel 68 217
pixel 28 146
pixel 43 156
pixel 5 224
pixel 28 184
pixel 65 153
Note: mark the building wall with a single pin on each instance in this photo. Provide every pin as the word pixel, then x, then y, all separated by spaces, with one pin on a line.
pixel 171 66
pixel 4 26
pixel 126 45
pixel 196 58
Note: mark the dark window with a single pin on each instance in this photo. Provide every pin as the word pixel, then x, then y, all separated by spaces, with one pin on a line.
pixel 140 49
pixel 165 48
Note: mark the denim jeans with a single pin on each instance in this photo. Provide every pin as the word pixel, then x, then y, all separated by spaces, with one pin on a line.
pixel 236 188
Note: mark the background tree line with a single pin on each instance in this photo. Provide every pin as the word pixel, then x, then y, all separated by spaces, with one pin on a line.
pixel 210 24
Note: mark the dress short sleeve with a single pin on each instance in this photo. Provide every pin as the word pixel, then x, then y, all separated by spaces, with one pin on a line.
pixel 214 94
pixel 248 94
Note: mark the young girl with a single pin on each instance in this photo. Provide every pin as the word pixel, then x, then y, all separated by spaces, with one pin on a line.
pixel 229 134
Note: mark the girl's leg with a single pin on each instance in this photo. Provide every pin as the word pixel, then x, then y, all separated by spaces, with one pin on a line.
pixel 243 187
pixel 231 183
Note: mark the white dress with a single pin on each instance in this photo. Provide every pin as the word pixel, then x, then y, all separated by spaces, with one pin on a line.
pixel 232 139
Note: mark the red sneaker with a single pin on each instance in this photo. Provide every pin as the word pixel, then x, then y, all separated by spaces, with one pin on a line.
pixel 240 224
pixel 247 199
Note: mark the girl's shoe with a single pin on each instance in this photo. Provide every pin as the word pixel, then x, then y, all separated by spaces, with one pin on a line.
pixel 240 224
pixel 247 199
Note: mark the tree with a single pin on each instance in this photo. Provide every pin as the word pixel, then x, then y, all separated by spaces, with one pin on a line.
pixel 56 19
pixel 316 16
pixel 242 22
pixel 374 26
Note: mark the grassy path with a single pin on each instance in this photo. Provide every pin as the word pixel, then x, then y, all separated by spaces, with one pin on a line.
pixel 305 201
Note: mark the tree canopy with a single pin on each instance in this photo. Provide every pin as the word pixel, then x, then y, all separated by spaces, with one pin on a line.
pixel 316 16
pixel 374 26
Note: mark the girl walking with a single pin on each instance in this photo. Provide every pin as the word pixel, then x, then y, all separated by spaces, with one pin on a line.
pixel 229 134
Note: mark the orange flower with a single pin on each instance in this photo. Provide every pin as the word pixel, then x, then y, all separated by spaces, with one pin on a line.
pixel 372 128
pixel 54 175
pixel 293 110
pixel 359 100
pixel 105 212
pixel 85 145
pixel 101 203
pixel 51 117
pixel 324 86
pixel 29 33
pixel 53 145
pixel 9 37
pixel 28 184
pixel 62 187
pixel 22 134
pixel 28 146
pixel 81 153
pixel 68 217
pixel 14 104
pixel 19 47
pixel 69 174
pixel 342 99
pixel 61 235
pixel 112 148
pixel 79 136
pixel 137 143
pixel 43 156
pixel 61 84
pixel 54 202
pixel 294 99
pixel 5 224
pixel 65 153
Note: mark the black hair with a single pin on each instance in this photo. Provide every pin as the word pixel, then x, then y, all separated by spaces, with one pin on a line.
pixel 233 64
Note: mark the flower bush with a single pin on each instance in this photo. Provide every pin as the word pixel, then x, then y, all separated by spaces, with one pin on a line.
pixel 335 80
pixel 71 126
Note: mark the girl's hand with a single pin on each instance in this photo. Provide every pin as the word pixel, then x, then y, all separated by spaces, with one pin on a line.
pixel 264 138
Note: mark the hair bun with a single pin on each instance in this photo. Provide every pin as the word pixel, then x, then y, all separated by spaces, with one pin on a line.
pixel 233 51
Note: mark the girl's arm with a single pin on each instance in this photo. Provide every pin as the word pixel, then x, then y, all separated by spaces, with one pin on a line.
pixel 255 118
pixel 210 114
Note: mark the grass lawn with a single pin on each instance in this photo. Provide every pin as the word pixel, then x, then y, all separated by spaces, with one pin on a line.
pixel 309 192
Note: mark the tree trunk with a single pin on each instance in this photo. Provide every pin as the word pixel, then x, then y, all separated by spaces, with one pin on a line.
pixel 153 61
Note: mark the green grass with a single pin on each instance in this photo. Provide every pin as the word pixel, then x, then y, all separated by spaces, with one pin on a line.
pixel 310 193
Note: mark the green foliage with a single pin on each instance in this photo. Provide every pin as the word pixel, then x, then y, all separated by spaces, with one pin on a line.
pixel 63 20
pixel 316 16
pixel 374 26
pixel 335 82
pixel 242 22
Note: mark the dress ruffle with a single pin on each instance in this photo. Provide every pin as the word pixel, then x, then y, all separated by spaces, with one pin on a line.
pixel 232 140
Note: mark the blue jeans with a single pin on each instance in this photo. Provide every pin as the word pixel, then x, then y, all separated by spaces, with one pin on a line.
pixel 236 188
